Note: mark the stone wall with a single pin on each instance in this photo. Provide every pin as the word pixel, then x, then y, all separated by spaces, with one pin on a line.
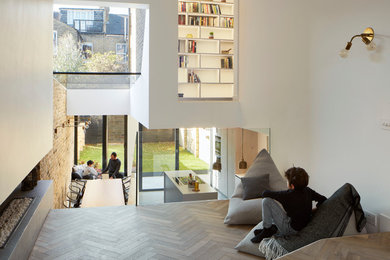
pixel 57 164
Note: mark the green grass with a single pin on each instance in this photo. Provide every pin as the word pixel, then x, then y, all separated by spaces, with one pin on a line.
pixel 94 153
pixel 157 157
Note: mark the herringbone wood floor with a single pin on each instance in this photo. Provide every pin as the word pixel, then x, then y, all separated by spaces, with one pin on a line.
pixel 169 231
pixel 361 247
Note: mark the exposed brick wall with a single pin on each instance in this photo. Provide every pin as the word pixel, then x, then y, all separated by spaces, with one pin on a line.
pixel 57 164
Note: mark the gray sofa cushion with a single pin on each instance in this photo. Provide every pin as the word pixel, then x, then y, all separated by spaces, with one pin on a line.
pixel 249 211
pixel 253 187
pixel 246 244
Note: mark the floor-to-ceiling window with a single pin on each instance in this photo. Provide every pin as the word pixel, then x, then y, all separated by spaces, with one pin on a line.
pixel 104 135
pixel 170 150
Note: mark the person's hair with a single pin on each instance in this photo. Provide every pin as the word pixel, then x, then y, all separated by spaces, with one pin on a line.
pixel 114 153
pixel 90 162
pixel 297 177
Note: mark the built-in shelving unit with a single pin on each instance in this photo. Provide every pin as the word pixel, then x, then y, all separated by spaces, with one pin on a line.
pixel 206 50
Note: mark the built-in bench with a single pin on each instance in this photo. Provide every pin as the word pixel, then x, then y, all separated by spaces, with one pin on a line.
pixel 23 238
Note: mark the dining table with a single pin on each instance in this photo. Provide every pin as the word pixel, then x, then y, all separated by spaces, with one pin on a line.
pixel 103 193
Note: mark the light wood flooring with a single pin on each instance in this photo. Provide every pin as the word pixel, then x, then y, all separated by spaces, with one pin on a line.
pixel 360 247
pixel 169 231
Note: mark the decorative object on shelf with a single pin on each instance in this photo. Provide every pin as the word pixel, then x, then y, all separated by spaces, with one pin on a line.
pixel 223 1
pixel 189 35
pixel 226 51
pixel 367 37
pixel 211 35
pixel 242 165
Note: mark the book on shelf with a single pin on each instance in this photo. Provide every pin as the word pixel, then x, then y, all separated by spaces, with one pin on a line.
pixel 202 20
pixel 182 19
pixel 181 46
pixel 183 61
pixel 192 46
pixel 188 7
pixel 227 22
pixel 227 63
pixel 193 77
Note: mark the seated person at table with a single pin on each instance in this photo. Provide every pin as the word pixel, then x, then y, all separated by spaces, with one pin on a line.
pixel 113 167
pixel 295 210
pixel 89 172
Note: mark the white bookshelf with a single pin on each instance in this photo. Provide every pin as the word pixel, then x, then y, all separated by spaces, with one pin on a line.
pixel 211 79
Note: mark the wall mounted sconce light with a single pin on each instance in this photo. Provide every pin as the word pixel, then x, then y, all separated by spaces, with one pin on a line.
pixel 367 37
pixel 85 125
pixel 242 165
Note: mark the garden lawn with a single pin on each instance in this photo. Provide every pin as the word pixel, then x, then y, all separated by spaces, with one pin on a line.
pixel 157 157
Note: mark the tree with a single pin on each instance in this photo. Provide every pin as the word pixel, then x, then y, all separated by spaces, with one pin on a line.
pixel 104 62
pixel 69 56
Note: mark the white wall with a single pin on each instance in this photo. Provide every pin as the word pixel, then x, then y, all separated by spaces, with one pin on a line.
pixel 154 101
pixel 26 110
pixel 98 101
pixel 323 111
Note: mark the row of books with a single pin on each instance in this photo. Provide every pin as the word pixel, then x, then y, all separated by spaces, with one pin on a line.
pixel 183 61
pixel 192 46
pixel 193 77
pixel 199 8
pixel 227 63
pixel 182 20
pixel 227 22
pixel 189 7
pixel 202 20
pixel 210 9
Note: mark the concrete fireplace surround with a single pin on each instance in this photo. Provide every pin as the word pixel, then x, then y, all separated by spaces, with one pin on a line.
pixel 24 236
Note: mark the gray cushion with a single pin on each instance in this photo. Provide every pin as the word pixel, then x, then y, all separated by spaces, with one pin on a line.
pixel 249 211
pixel 247 246
pixel 263 165
pixel 253 187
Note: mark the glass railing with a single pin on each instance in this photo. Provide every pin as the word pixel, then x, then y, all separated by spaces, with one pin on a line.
pixel 96 80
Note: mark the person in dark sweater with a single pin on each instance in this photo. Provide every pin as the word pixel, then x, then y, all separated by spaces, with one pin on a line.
pixel 287 212
pixel 113 167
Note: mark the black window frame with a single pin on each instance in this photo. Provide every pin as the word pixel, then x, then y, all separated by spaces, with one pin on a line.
pixel 105 143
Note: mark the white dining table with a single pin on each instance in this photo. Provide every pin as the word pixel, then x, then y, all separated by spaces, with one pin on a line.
pixel 103 193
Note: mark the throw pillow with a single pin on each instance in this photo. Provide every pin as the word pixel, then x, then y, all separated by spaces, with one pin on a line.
pixel 246 244
pixel 253 187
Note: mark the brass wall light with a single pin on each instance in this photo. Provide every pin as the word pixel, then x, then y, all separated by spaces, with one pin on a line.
pixel 367 37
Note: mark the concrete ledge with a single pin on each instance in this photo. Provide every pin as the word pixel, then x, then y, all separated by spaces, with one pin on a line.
pixel 23 238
